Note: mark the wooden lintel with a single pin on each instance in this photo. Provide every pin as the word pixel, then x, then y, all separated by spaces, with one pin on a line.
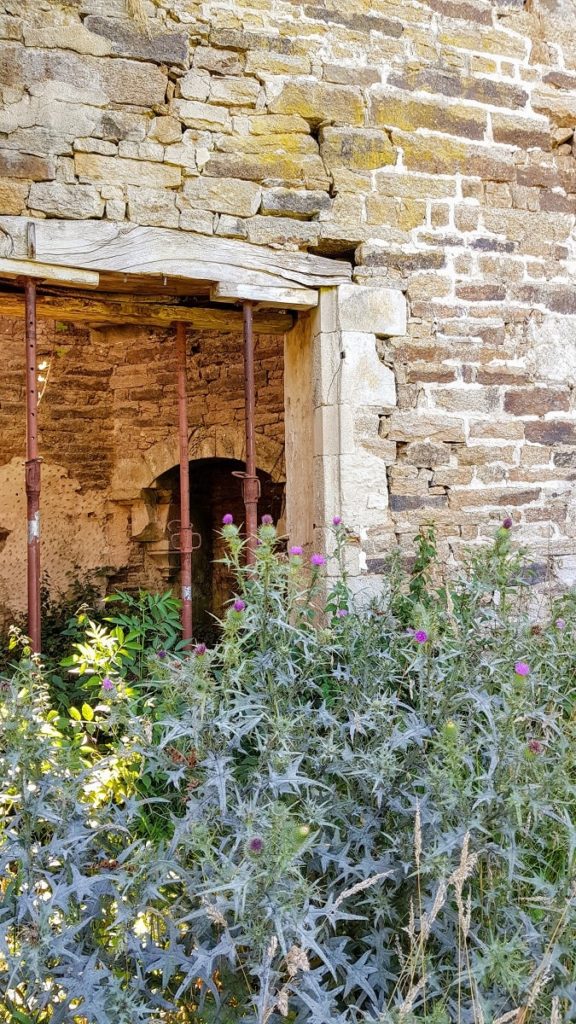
pixel 49 272
pixel 274 298
pixel 100 311
pixel 131 249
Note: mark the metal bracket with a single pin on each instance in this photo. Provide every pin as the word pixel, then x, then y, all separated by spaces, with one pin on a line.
pixel 251 489
pixel 33 476
pixel 192 540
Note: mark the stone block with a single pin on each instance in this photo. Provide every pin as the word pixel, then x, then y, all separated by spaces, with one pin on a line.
pixel 265 62
pixel 12 197
pixel 439 155
pixel 195 86
pixel 447 82
pixel 223 195
pixel 536 401
pixel 552 432
pixel 365 379
pixel 399 110
pixel 74 202
pixel 10 28
pixel 528 133
pixel 203 116
pixel 115 209
pixel 364 489
pixel 134 82
pixel 222 62
pixel 467 398
pixel 341 75
pixel 154 207
pixel 120 125
pixel 303 205
pixel 318 101
pixel 404 214
pixel 183 154
pixel 126 40
pixel 24 165
pixel 91 167
pixel 165 130
pixel 502 44
pixel 424 426
pixel 360 149
pixel 95 146
pixel 557 104
pixel 231 227
pixel 565 570
pixel 427 455
pixel 196 220
pixel 372 310
pixel 400 185
pixel 128 81
pixel 506 497
pixel 280 231
pixel 481 292
pixel 234 92
pixel 146 150
pixel 69 35
pixel 552 350
pixel 277 124
pixel 270 166
pixel 334 430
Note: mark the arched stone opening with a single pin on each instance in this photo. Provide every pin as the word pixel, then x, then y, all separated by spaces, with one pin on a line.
pixel 214 491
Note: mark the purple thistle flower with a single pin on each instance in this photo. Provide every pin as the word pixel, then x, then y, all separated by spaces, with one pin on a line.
pixel 521 668
pixel 161 654
pixel 199 650
pixel 256 845
pixel 341 613
pixel 107 684
pixel 535 746
pixel 228 519
pixel 296 550
pixel 508 523
pixel 336 520
pixel 267 520
pixel 420 636
pixel 317 560
pixel 239 605
pixel 560 624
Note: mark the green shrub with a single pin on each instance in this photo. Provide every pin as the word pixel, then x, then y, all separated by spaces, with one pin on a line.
pixel 364 815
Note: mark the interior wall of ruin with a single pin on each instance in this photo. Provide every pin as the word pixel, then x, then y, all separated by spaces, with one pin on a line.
pixel 107 403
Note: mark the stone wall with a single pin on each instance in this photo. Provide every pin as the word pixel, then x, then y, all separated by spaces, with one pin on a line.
pixel 432 141
pixel 108 430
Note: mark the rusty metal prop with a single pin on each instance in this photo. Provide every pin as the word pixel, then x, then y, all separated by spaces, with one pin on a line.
pixel 186 538
pixel 32 469
pixel 250 482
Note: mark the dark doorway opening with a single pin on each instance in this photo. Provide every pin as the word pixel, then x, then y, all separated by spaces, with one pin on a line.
pixel 214 491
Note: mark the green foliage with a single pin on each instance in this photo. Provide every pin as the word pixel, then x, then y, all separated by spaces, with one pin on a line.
pixel 336 815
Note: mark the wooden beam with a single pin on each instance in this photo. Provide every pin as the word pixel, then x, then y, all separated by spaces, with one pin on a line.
pixel 131 249
pixel 48 272
pixel 279 298
pixel 92 311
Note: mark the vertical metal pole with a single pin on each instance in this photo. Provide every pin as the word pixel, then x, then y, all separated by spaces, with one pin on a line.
pixel 185 524
pixel 32 469
pixel 251 483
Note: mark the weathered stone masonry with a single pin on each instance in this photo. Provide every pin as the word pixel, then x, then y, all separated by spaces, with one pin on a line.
pixel 108 415
pixel 431 141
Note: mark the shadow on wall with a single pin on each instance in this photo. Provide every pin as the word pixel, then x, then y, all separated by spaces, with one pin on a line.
pixel 214 491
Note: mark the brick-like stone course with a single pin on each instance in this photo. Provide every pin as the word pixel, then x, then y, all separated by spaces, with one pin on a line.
pixel 109 396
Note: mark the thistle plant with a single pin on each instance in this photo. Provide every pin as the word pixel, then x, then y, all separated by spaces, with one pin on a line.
pixel 324 818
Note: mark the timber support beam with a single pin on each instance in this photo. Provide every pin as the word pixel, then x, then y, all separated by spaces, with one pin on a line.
pixel 99 310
